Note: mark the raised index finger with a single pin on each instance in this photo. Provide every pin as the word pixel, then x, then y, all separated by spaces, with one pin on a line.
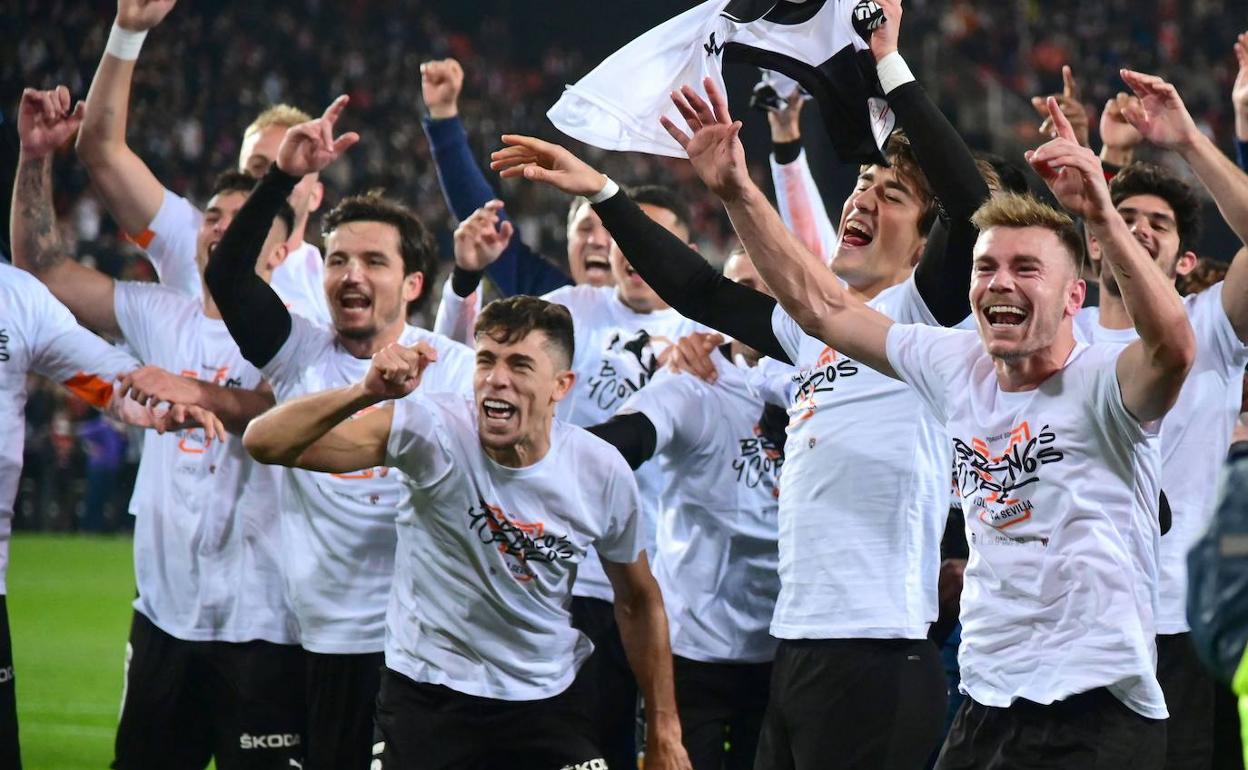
pixel 1060 122
pixel 335 108
pixel 1070 89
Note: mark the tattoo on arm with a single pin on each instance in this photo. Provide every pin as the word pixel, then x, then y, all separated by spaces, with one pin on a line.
pixel 39 238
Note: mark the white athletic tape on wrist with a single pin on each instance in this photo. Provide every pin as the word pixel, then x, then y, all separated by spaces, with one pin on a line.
pixel 124 44
pixel 609 189
pixel 893 72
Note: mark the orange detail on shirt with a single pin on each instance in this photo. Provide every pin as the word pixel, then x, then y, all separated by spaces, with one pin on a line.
pixel 91 389
pixel 142 240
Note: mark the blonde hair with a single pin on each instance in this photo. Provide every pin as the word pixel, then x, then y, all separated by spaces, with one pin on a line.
pixel 1015 210
pixel 282 115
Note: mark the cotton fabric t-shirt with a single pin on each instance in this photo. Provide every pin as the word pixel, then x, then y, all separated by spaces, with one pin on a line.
pixel 1060 490
pixel 39 335
pixel 487 555
pixel 170 245
pixel 618 351
pixel 207 536
pixel 865 496
pixel 716 550
pixel 1195 435
pixel 339 528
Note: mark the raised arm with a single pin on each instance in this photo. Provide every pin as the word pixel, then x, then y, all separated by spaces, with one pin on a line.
pixel 643 631
pixel 45 121
pixel 518 270
pixel 129 190
pixel 315 433
pixel 1239 100
pixel 1152 369
pixel 801 206
pixel 807 290
pixel 675 271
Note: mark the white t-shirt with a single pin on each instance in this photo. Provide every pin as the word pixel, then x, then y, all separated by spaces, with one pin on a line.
pixel 39 335
pixel 339 528
pixel 716 550
pixel 487 555
pixel 1194 436
pixel 170 245
pixel 208 550
pixel 866 493
pixel 1060 489
pixel 618 351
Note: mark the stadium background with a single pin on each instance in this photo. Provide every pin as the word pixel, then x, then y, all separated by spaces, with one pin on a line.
pixel 211 67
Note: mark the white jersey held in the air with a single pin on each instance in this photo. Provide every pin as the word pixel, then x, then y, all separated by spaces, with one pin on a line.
pixel 487 555
pixel 38 335
pixel 716 544
pixel 339 528
pixel 1060 488
pixel 1195 436
pixel 208 550
pixel 865 495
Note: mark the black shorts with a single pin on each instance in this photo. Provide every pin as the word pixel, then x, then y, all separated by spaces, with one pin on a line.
pixel 1089 731
pixel 10 752
pixel 430 727
pixel 866 704
pixel 186 702
pixel 342 699
pixel 1189 699
pixel 721 708
pixel 606 688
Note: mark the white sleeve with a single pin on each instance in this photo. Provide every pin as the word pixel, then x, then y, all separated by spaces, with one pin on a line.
pixel 457 315
pixel 169 242
pixel 678 406
pixel 787 332
pixel 1111 413
pixel 67 353
pixel 452 372
pixel 801 206
pixel 307 343
pixel 925 358
pixel 416 445
pixel 144 314
pixel 1215 335
pixel 622 542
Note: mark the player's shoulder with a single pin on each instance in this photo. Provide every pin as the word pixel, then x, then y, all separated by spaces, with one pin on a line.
pixel 157 295
pixel 439 342
pixel 580 296
pixel 592 454
pixel 22 289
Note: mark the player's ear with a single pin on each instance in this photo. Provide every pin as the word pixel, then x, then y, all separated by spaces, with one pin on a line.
pixel 413 286
pixel 564 381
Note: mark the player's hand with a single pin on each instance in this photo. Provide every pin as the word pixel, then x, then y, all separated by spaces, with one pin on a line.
pixel 151 385
pixel 715 148
pixel 885 37
pixel 185 416
pixel 441 80
pixel 481 238
pixel 1160 116
pixel 949 581
pixel 142 15
pixel 692 354
pixel 1119 137
pixel 786 125
pixel 1071 105
pixel 396 369
pixel 533 159
pixel 45 121
pixel 664 748
pixel 1072 172
pixel 1239 91
pixel 310 147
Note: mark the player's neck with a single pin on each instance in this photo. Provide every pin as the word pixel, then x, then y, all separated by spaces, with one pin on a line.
pixel 210 305
pixel 1114 313
pixel 1029 372
pixel 641 307
pixel 365 347
pixel 525 452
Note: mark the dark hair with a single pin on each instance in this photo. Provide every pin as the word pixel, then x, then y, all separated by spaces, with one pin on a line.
pixel 1010 176
pixel 901 157
pixel 237 181
pixel 512 319
pixel 1151 179
pixel 664 198
pixel 416 244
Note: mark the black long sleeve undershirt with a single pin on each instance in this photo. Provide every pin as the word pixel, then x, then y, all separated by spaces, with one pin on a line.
pixel 255 316
pixel 632 434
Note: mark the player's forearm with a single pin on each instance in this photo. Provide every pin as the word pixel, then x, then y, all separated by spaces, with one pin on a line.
pixel 236 407
pixel 281 435
pixel 37 244
pixel 644 634
pixel 1226 182
pixel 103 133
pixel 1150 298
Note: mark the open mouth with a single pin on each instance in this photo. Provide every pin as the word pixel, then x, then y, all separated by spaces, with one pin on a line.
pixel 595 262
pixel 212 246
pixel 354 300
pixel 1005 315
pixel 497 410
pixel 857 234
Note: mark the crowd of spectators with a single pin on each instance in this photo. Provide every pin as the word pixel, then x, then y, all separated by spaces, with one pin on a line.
pixel 212 66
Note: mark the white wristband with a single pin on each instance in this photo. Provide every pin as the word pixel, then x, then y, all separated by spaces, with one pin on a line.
pixel 893 72
pixel 609 189
pixel 124 44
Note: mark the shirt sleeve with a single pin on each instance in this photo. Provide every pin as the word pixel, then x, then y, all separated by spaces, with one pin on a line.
pixel 457 315
pixel 678 406
pixel 417 444
pixel 169 243
pixel 923 356
pixel 801 206
pixel 69 354
pixel 143 313
pixel 1216 335
pixel 621 542
pixel 787 333
pixel 453 371
pixel 305 343
pixel 1112 415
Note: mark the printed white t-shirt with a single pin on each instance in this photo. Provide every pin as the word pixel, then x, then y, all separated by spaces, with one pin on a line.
pixel 1195 435
pixel 1060 490
pixel 39 335
pixel 170 245
pixel 487 555
pixel 339 528
pixel 618 351
pixel 866 493
pixel 716 551
pixel 208 550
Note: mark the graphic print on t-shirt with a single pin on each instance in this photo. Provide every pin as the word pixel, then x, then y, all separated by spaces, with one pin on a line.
pixel 193 441
pixel 520 542
pixel 820 378
pixel 758 462
pixel 628 363
pixel 998 484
